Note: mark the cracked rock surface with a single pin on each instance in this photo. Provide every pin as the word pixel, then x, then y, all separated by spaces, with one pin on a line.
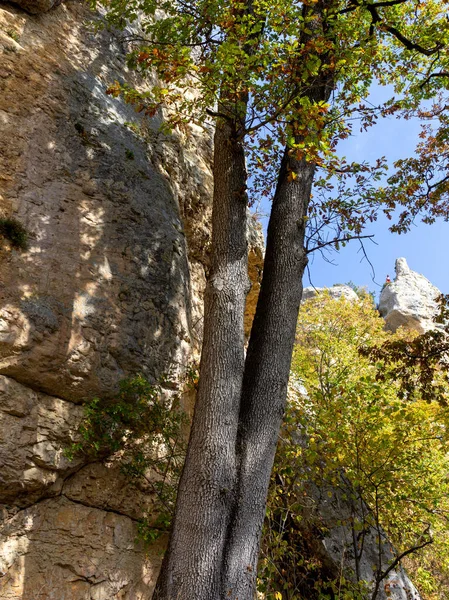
pixel 63 550
pixel 67 530
pixel 111 285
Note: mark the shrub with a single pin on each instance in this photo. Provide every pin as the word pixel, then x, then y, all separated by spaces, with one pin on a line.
pixel 14 232
pixel 141 428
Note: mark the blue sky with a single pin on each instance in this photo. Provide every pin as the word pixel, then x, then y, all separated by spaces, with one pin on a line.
pixel 425 247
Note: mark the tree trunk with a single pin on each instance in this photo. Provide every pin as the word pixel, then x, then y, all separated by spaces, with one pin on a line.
pixel 267 369
pixel 214 545
pixel 193 563
pixel 267 364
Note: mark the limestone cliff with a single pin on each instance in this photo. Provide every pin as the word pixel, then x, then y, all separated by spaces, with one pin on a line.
pixel 111 284
pixel 118 222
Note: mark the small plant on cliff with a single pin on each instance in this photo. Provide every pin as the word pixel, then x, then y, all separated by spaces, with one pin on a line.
pixel 13 34
pixel 140 428
pixel 14 232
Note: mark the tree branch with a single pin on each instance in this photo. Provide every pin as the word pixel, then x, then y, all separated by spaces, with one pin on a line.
pixel 397 560
pixel 376 19
pixel 439 74
pixel 355 5
pixel 336 240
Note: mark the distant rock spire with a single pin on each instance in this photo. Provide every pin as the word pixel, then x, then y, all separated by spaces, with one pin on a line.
pixel 401 267
pixel 409 300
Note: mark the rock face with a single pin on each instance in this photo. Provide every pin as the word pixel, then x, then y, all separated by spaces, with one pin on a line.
pixel 409 300
pixel 111 285
pixel 34 428
pixel 105 288
pixel 118 221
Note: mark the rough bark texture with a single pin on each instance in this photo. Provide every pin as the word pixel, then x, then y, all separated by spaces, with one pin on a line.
pixel 267 365
pixel 193 563
pixel 266 373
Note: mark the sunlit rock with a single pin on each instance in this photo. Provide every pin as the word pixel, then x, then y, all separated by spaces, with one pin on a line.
pixel 336 291
pixel 409 301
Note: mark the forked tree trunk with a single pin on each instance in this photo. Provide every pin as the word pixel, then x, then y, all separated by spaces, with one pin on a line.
pixel 266 376
pixel 268 360
pixel 220 509
pixel 193 563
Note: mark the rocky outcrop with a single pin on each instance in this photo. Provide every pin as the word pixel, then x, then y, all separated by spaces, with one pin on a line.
pixel 409 301
pixel 36 7
pixel 336 291
pixel 331 510
pixel 111 284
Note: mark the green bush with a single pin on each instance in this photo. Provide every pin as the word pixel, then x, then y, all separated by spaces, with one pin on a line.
pixel 141 428
pixel 12 230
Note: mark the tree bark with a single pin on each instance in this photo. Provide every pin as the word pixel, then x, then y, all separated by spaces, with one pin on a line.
pixel 266 376
pixel 220 508
pixel 193 564
pixel 267 364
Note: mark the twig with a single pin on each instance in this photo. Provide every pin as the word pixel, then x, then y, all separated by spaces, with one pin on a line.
pixel 339 240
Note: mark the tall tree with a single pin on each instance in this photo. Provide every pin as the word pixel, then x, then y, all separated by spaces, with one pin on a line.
pixel 277 78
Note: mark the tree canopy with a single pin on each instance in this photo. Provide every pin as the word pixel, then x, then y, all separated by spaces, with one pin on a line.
pixel 270 58
pixel 354 435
